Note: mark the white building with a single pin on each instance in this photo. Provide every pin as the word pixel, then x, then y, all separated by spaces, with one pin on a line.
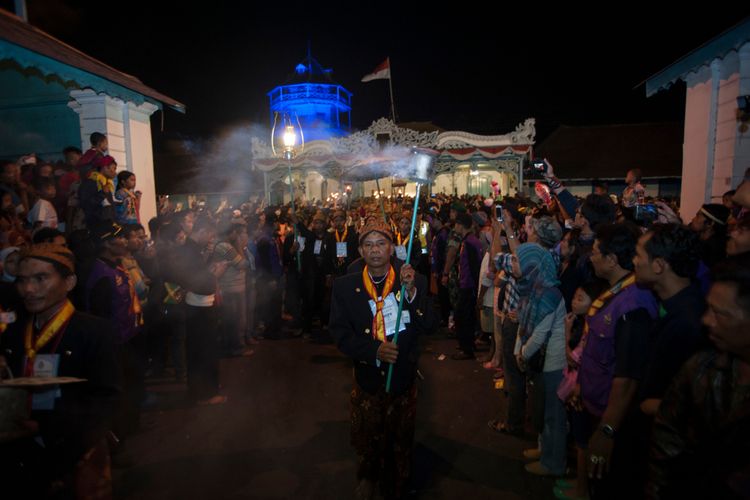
pixel 716 148
pixel 53 96
pixel 465 163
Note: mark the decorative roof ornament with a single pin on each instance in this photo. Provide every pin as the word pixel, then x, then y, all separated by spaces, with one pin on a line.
pixel 366 141
pixel 525 134
pixel 498 151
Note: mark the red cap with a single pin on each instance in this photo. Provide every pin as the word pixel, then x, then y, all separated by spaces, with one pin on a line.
pixel 104 161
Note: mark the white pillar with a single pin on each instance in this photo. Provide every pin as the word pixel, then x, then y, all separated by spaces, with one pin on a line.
pixel 128 130
pixel 712 126
pixel 695 148
pixel 140 153
pixel 101 113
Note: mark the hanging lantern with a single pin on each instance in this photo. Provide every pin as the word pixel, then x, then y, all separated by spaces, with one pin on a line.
pixel 287 139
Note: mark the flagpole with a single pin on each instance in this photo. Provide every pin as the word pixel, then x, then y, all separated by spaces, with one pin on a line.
pixel 390 86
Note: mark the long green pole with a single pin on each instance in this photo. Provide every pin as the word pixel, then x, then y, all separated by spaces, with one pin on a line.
pixel 403 287
pixel 291 196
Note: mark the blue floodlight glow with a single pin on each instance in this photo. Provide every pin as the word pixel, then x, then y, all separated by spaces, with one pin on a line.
pixel 323 109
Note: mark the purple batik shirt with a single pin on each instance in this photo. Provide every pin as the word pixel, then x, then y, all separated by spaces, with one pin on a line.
pixel 467 278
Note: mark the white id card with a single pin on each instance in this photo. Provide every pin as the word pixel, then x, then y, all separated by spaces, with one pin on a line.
pixel 46 365
pixel 341 249
pixel 317 247
pixel 390 310
pixel 401 252
pixel 301 242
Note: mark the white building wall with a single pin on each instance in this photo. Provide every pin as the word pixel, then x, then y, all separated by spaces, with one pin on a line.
pixel 115 132
pixel 712 167
pixel 443 184
pixel 313 185
pixel 142 157
pixel 695 147
pixel 370 187
pixel 726 129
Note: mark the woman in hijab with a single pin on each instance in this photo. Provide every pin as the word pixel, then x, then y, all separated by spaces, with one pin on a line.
pixel 540 348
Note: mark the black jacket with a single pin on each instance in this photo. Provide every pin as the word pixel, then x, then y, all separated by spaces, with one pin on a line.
pixel 338 265
pixel 312 264
pixel 351 324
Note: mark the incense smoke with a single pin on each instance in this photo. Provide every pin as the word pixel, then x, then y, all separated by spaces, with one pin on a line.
pixel 222 164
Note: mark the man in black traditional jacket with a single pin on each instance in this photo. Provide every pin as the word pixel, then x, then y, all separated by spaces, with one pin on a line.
pixel 57 340
pixel 363 320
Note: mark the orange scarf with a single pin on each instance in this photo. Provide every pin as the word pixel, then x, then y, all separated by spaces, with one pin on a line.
pixel 49 331
pixel 378 321
pixel 3 326
pixel 135 303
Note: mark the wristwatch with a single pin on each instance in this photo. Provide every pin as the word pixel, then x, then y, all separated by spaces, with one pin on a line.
pixel 608 431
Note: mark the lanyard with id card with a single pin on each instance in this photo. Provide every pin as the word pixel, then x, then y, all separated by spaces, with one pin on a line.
pixel 341 249
pixel 390 309
pixel 401 253
pixel 46 365
pixel 317 247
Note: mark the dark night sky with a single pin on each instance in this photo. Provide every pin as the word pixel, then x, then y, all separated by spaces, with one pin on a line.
pixel 476 68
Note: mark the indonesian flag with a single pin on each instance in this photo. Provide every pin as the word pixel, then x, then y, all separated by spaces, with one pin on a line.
pixel 382 72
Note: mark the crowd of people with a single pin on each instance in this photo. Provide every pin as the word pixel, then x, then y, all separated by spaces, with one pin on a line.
pixel 619 333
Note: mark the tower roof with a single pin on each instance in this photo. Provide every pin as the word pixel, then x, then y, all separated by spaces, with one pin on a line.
pixel 309 70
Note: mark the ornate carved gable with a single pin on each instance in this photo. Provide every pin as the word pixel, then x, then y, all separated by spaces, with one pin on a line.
pixel 525 134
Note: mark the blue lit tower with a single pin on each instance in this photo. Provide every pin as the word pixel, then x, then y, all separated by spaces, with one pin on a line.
pixel 324 108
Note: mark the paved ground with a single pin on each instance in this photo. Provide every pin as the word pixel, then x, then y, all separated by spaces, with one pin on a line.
pixel 284 433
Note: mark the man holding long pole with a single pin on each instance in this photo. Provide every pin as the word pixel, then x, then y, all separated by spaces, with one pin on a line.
pixel 363 319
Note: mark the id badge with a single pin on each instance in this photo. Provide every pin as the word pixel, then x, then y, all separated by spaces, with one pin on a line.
pixel 317 247
pixel 46 365
pixel 301 242
pixel 390 310
pixel 341 249
pixel 401 252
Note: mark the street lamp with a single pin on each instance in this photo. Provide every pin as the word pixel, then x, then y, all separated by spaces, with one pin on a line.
pixel 288 142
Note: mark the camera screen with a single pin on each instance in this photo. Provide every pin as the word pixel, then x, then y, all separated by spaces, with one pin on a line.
pixel 646 212
pixel 499 212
